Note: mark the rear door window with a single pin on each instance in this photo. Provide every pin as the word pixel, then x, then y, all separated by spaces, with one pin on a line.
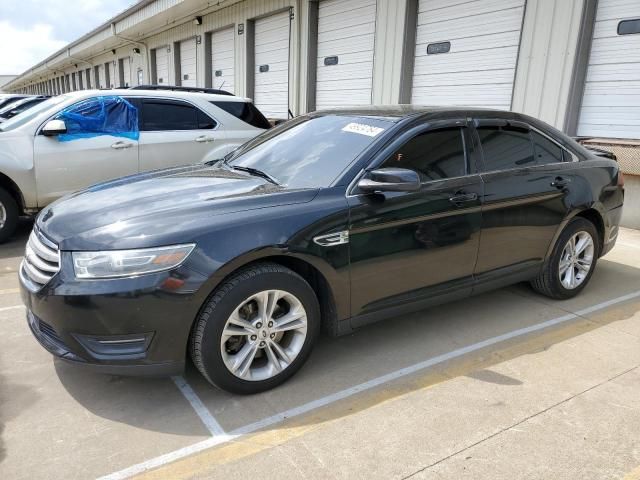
pixel 505 148
pixel 546 150
pixel 245 111
pixel 434 155
pixel 167 115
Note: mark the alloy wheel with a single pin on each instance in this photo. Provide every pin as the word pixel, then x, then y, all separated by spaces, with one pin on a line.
pixel 264 335
pixel 576 260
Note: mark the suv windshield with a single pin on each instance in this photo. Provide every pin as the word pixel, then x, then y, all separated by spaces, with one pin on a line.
pixel 31 113
pixel 310 151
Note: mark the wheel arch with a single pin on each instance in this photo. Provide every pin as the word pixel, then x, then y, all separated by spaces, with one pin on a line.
pixel 593 214
pixel 314 270
pixel 13 189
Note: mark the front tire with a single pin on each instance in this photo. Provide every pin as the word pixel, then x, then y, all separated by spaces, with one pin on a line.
pixel 572 262
pixel 8 215
pixel 256 330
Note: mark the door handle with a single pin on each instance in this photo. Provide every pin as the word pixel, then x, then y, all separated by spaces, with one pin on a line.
pixel 121 145
pixel 204 139
pixel 560 182
pixel 462 197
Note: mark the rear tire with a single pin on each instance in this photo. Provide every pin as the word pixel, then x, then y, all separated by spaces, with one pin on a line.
pixel 9 213
pixel 572 261
pixel 256 330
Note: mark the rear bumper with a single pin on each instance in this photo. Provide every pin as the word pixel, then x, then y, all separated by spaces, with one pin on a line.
pixel 612 229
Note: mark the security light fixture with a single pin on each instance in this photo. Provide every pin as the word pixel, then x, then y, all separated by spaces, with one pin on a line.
pixel 136 51
pixel 197 20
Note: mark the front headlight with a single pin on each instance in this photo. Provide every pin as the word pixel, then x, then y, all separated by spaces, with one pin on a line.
pixel 128 263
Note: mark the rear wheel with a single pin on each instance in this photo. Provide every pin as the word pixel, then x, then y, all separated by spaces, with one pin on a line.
pixel 8 215
pixel 572 262
pixel 256 330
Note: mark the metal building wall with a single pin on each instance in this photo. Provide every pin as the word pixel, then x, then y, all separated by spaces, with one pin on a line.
pixel 547 57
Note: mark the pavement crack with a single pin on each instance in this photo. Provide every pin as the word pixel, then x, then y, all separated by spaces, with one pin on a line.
pixel 502 430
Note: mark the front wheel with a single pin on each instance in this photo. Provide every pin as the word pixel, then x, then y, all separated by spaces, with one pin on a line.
pixel 572 262
pixel 256 330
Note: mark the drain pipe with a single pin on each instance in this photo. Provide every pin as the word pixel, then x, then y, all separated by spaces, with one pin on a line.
pixel 135 42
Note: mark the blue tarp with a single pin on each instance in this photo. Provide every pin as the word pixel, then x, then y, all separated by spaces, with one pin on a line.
pixel 110 115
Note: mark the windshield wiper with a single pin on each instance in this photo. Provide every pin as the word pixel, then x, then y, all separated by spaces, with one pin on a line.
pixel 255 172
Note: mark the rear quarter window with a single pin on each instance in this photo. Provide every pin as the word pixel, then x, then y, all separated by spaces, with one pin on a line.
pixel 245 111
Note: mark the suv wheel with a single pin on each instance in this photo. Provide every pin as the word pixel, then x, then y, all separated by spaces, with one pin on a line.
pixel 256 330
pixel 572 262
pixel 8 215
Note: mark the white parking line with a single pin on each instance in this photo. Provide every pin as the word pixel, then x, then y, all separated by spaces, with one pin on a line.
pixel 348 392
pixel 15 307
pixel 203 412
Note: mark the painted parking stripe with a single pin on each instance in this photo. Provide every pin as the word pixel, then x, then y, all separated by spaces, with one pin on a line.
pixel 348 392
pixel 203 412
pixel 15 307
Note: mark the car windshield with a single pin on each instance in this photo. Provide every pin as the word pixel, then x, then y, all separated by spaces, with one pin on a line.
pixel 31 113
pixel 310 151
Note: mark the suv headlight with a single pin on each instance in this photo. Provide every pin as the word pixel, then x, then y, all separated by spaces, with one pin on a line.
pixel 129 263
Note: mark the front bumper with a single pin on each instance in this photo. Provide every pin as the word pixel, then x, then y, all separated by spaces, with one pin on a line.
pixel 131 326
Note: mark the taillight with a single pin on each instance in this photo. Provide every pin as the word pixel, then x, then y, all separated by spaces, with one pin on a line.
pixel 620 179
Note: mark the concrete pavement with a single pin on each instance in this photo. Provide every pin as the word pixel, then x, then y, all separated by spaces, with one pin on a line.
pixel 558 402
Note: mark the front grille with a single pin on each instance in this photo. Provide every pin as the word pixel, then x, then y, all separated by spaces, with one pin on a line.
pixel 41 259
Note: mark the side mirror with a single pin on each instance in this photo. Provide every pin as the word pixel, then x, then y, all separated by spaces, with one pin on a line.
pixel 390 180
pixel 53 128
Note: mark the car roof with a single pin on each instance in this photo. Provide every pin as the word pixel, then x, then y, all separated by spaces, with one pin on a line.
pixel 396 113
pixel 125 92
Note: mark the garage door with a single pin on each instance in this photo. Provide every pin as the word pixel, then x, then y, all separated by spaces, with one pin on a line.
pixel 271 93
pixel 162 65
pixel 188 63
pixel 611 101
pixel 222 58
pixel 126 71
pixel 466 53
pixel 111 78
pixel 346 30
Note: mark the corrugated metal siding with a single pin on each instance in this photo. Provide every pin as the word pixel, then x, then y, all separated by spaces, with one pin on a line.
pixel 611 102
pixel 346 30
pixel 546 61
pixel 480 67
pixel 145 13
pixel 389 43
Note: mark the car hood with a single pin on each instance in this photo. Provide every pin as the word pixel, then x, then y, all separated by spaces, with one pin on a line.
pixel 159 208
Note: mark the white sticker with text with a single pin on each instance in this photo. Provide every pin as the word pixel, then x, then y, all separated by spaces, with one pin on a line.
pixel 362 129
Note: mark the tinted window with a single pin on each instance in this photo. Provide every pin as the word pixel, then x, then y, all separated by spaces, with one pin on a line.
pixel 309 151
pixel 546 150
pixel 435 155
pixel 504 148
pixel 158 115
pixel 247 112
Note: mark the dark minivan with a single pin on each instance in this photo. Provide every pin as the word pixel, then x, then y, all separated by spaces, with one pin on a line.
pixel 334 219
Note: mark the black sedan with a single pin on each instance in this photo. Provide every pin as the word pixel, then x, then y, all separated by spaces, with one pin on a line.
pixel 332 220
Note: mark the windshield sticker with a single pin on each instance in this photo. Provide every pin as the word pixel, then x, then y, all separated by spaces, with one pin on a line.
pixel 362 129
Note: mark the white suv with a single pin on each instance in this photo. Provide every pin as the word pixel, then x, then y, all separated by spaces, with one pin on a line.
pixel 38 165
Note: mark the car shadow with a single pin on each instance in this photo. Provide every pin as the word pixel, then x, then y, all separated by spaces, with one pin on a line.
pixel 14 247
pixel 379 349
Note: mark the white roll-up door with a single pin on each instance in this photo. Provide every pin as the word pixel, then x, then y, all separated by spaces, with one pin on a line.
pixel 611 100
pixel 346 31
pixel 162 66
pixel 112 75
pixel 188 63
pixel 222 59
pixel 126 71
pixel 271 92
pixel 466 52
